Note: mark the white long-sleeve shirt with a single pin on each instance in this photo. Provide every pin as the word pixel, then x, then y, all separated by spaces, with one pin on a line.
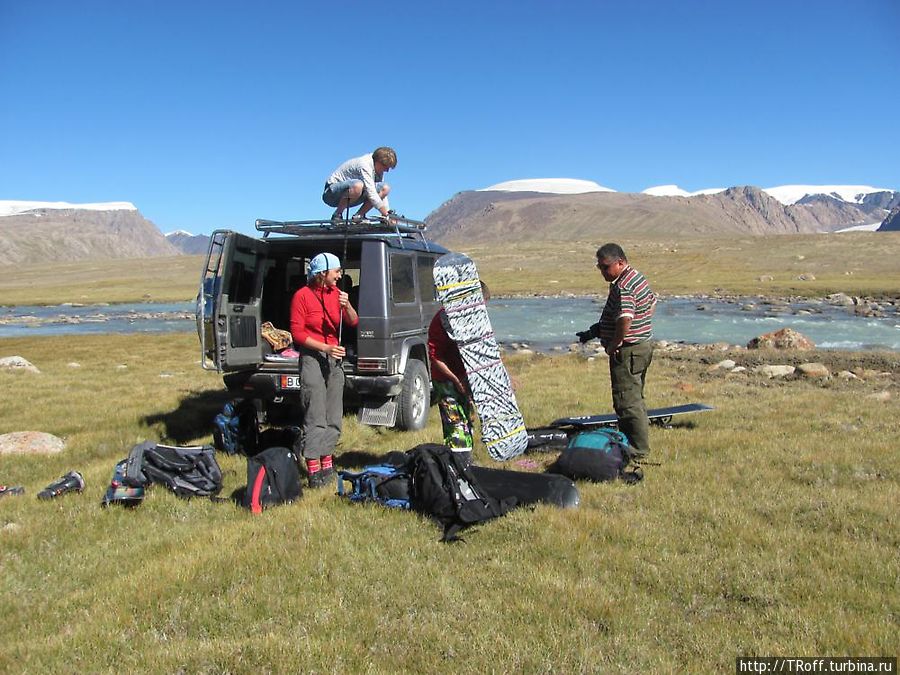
pixel 360 168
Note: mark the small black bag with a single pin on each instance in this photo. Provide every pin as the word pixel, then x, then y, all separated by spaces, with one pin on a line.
pixel 442 486
pixel 273 477
pixel 190 471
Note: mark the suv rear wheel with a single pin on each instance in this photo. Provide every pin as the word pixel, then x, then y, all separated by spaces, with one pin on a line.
pixel 414 398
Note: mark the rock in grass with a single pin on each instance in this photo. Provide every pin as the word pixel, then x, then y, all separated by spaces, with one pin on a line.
pixel 18 363
pixel 813 370
pixel 30 443
pixel 785 338
pixel 771 371
pixel 882 396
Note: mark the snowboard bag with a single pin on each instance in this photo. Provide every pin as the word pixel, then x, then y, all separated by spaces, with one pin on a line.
pixel 528 488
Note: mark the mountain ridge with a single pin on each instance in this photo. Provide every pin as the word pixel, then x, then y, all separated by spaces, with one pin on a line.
pixel 747 210
pixel 55 234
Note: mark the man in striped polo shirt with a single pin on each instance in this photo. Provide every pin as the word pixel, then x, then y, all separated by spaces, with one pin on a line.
pixel 625 329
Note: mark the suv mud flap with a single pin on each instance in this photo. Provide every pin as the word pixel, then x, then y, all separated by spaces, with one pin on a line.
pixel 383 415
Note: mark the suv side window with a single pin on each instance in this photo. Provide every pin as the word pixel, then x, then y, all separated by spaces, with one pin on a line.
pixel 425 272
pixel 403 288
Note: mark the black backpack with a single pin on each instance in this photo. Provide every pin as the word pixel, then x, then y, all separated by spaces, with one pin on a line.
pixel 190 471
pixel 597 455
pixel 442 486
pixel 273 477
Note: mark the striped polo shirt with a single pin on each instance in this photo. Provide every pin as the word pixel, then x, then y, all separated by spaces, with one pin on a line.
pixel 629 295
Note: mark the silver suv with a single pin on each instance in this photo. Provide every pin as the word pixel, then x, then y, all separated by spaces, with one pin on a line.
pixel 248 281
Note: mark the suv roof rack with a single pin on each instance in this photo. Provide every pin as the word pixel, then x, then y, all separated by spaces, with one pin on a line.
pixel 398 225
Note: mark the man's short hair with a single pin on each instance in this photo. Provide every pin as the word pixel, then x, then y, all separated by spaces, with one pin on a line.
pixel 385 156
pixel 611 252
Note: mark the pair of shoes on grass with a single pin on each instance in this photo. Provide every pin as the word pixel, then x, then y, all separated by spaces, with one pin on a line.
pixel 71 482
pixel 11 490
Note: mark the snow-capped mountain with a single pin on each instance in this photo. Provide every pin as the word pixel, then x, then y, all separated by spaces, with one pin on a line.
pixel 853 194
pixel 786 194
pixel 33 231
pixel 675 191
pixel 13 207
pixel 556 186
pixel 534 209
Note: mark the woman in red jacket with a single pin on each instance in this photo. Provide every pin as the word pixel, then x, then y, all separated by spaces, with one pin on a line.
pixel 317 313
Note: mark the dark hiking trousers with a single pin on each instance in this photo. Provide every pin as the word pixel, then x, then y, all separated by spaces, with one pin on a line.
pixel 627 373
pixel 322 400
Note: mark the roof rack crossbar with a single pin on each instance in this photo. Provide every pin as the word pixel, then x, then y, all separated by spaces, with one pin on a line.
pixel 397 225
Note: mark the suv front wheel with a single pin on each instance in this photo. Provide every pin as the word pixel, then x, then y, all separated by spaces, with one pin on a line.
pixel 414 398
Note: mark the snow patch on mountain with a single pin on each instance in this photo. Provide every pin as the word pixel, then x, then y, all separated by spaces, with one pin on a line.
pixel 560 186
pixel 183 233
pixel 666 191
pixel 870 227
pixel 791 194
pixel 13 207
pixel 675 191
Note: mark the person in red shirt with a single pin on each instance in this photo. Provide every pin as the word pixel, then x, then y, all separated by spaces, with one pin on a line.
pixel 451 384
pixel 318 312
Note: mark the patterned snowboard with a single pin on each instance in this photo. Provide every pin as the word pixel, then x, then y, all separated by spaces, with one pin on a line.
pixel 468 324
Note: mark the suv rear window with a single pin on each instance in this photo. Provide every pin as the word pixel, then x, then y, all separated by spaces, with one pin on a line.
pixel 241 285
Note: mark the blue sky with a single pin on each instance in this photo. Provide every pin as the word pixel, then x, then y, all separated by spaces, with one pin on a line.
pixel 211 114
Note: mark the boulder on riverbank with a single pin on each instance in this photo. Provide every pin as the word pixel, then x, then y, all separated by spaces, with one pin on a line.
pixel 785 338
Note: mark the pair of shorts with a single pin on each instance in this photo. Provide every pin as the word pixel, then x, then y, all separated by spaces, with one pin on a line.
pixel 333 193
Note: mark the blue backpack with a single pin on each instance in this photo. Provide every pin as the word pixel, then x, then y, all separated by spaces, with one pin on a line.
pixel 595 454
pixel 234 429
pixel 383 484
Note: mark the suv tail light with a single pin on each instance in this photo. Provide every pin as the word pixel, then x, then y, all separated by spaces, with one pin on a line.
pixel 370 365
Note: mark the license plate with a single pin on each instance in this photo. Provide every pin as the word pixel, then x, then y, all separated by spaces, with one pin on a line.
pixel 290 381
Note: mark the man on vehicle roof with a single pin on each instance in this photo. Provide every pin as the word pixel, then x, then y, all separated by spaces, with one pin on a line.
pixel 360 182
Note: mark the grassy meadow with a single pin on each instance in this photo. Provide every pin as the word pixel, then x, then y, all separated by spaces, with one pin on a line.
pixel 769 527
pixel 857 263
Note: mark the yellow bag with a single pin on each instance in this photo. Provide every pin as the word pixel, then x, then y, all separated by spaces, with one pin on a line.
pixel 279 339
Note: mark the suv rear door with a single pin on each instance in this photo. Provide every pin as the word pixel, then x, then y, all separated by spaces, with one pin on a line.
pixel 230 300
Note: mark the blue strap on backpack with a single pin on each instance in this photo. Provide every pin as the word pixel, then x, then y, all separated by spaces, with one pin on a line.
pixel 380 483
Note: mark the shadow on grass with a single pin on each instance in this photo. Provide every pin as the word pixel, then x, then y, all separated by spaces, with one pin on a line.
pixel 193 417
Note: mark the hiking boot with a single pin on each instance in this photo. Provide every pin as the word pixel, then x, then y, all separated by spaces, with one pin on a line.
pixel 357 218
pixel 319 479
pixel 71 481
pixel 11 490
pixel 337 218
